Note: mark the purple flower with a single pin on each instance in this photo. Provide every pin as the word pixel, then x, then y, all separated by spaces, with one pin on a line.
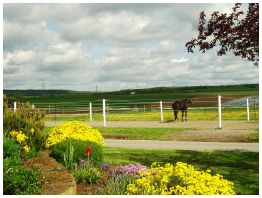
pixel 82 163
pixel 128 170
pixel 106 167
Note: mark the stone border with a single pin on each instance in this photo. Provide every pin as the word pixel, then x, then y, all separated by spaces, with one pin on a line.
pixel 57 180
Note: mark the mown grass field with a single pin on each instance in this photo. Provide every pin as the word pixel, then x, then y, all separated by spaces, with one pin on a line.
pixel 240 167
pixel 138 133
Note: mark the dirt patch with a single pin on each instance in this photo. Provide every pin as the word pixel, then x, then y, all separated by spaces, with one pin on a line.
pixel 86 189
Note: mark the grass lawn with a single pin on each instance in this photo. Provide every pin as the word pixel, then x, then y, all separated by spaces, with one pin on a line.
pixel 138 133
pixel 240 167
pixel 254 137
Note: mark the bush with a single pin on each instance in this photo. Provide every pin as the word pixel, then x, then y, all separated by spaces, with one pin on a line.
pixel 96 155
pixel 20 181
pixel 181 179
pixel 10 148
pixel 75 130
pixel 17 179
pixel 87 175
pixel 25 118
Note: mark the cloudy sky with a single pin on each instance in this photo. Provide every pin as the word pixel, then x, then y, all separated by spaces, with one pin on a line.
pixel 111 47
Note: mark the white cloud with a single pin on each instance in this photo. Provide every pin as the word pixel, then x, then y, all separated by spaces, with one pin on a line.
pixel 112 46
pixel 181 60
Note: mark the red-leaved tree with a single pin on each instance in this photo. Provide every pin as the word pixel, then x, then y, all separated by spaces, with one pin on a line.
pixel 234 32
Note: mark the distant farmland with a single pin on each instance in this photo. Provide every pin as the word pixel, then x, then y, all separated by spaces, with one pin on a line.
pixel 151 94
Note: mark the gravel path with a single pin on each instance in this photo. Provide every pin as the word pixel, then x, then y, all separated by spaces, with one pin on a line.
pixel 181 145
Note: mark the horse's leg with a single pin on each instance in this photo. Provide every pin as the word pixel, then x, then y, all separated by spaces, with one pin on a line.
pixel 175 114
pixel 182 116
pixel 186 114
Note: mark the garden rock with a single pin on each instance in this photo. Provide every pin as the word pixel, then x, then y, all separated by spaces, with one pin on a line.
pixel 57 180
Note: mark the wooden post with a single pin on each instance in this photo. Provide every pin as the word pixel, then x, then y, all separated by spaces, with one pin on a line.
pixel 247 110
pixel 219 113
pixel 161 111
pixel 14 106
pixel 255 108
pixel 90 112
pixel 104 112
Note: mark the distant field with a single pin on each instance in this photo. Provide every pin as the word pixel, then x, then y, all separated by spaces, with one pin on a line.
pixel 151 94
pixel 137 97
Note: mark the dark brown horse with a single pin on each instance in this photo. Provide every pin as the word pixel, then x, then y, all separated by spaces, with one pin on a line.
pixel 181 105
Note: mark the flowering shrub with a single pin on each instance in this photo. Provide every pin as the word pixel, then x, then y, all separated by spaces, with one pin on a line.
pixel 16 178
pixel 22 139
pixel 76 130
pixel 80 151
pixel 181 179
pixel 25 118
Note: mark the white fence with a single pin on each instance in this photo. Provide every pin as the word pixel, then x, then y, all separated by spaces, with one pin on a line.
pixel 106 108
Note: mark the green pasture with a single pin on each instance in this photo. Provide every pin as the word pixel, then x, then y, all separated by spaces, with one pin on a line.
pixel 138 133
pixel 240 167
pixel 194 114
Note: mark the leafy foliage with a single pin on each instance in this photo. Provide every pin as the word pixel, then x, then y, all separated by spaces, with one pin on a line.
pixel 10 148
pixel 96 156
pixel 20 181
pixel 25 118
pixel 87 175
pixel 230 32
pixel 17 179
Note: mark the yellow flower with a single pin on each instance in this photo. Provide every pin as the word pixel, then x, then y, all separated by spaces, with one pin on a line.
pixel 181 179
pixel 32 130
pixel 13 133
pixel 75 130
pixel 26 148
pixel 21 137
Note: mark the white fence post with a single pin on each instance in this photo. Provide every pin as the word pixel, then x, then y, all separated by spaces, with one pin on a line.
pixel 247 110
pixel 161 111
pixel 14 106
pixel 219 113
pixel 104 112
pixel 90 112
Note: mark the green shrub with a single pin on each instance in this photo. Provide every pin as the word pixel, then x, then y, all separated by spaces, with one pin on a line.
pixel 87 175
pixel 20 181
pixel 96 155
pixel 10 148
pixel 25 118
pixel 33 153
